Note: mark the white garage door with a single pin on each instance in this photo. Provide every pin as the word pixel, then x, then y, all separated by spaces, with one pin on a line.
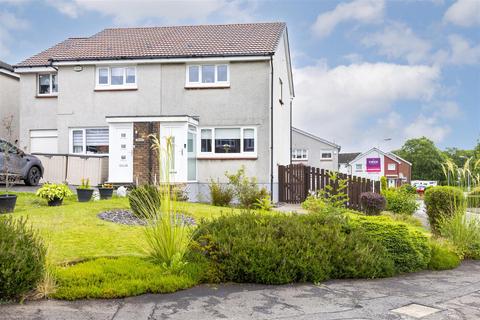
pixel 43 141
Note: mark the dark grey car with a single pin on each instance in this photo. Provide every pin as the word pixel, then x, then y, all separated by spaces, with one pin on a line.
pixel 18 164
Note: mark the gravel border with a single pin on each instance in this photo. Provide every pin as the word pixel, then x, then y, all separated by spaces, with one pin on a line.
pixel 126 217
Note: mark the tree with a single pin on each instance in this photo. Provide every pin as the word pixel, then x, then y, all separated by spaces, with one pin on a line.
pixel 425 157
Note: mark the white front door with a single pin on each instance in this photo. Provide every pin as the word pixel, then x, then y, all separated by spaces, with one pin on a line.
pixel 391 183
pixel 120 166
pixel 178 134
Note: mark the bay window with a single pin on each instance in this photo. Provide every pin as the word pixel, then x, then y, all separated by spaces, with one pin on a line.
pixel 207 75
pixel 228 141
pixel 116 77
pixel 47 84
pixel 89 141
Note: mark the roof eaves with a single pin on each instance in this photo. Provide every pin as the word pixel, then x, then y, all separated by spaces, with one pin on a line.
pixel 316 137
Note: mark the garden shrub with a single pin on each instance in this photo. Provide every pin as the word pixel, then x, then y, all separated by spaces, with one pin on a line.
pixel 145 201
pixel 372 203
pixel 220 195
pixel 22 258
pixel 383 183
pixel 473 198
pixel 400 201
pixel 410 220
pixel 442 202
pixel 408 188
pixel 443 256
pixel 463 232
pixel 277 248
pixel 407 247
pixel 246 189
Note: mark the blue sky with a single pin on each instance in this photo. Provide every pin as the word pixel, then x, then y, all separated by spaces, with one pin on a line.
pixel 364 70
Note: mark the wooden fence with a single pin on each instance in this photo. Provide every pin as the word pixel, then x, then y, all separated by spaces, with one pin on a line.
pixel 296 181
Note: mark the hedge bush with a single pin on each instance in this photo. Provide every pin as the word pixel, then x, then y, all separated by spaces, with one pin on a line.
pixel 408 188
pixel 443 256
pixel 277 249
pixel 220 195
pixel 400 201
pixel 442 201
pixel 22 258
pixel 372 203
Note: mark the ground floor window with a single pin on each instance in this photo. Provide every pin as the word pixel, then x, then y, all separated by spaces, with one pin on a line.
pixel 299 154
pixel 234 140
pixel 89 141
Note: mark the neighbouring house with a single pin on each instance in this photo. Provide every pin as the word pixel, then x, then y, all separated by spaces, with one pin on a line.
pixel 222 92
pixel 344 160
pixel 9 101
pixel 375 163
pixel 314 151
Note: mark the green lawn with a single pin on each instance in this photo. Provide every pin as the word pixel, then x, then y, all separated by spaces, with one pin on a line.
pixel 74 232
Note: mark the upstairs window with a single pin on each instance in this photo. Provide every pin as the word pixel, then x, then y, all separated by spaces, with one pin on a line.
pixel 326 155
pixel 47 84
pixel 299 154
pixel 208 75
pixel 358 167
pixel 392 166
pixel 116 77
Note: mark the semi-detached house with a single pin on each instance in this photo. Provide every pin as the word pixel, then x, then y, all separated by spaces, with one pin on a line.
pixel 223 92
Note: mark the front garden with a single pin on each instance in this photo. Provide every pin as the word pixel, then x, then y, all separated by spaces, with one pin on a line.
pixel 71 252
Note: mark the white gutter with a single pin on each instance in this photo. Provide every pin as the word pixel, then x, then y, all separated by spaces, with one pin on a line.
pixel 10 73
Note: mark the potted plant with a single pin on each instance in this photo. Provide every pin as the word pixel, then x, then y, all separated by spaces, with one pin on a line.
pixel 7 200
pixel 84 192
pixel 106 191
pixel 54 193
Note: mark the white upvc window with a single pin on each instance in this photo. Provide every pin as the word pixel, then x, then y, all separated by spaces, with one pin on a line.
pixel 358 167
pixel 228 142
pixel 326 155
pixel 207 75
pixel 118 77
pixel 89 141
pixel 299 154
pixel 47 84
pixel 392 166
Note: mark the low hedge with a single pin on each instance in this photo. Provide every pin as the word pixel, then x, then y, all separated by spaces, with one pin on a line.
pixel 443 256
pixel 400 201
pixel 278 248
pixel 442 201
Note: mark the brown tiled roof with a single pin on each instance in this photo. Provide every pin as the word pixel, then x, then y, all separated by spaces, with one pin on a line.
pixel 166 42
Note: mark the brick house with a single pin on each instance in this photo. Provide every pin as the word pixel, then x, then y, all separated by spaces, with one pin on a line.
pixel 223 92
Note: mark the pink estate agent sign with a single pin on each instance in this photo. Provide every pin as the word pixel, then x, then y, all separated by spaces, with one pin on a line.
pixel 373 165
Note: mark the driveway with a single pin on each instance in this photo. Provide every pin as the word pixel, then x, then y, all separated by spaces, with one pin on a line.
pixel 453 294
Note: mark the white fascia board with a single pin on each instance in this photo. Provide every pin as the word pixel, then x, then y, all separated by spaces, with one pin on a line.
pixel 152 119
pixel 160 60
pixel 10 73
pixel 34 69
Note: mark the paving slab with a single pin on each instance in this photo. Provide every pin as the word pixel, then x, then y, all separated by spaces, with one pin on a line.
pixel 454 293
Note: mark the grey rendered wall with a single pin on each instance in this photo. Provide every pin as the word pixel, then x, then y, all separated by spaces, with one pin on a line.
pixel 9 105
pixel 35 113
pixel 315 148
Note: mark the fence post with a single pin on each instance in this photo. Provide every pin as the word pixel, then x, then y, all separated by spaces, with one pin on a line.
pixel 281 183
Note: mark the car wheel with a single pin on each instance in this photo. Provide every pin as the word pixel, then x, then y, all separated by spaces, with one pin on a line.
pixel 33 176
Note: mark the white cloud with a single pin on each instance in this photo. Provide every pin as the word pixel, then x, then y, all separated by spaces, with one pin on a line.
pixel 8 23
pixel 342 103
pixel 462 51
pixel 363 11
pixel 464 13
pixel 427 126
pixel 126 12
pixel 399 41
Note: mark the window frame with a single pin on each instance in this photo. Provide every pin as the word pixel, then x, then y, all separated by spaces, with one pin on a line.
pixel 109 86
pixel 51 93
pixel 326 151
pixel 213 154
pixel 394 166
pixel 304 154
pixel 199 83
pixel 357 169
pixel 84 142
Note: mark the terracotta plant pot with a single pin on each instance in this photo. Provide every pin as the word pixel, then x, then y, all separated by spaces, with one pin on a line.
pixel 7 203
pixel 84 195
pixel 105 193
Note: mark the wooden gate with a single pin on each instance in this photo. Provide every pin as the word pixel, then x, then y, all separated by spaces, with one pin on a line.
pixel 296 181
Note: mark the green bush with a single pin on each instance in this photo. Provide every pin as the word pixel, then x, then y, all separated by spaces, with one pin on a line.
pixel 106 278
pixel 400 201
pixel 443 256
pixel 22 258
pixel 278 248
pixel 442 201
pixel 408 188
pixel 383 183
pixel 463 232
pixel 145 201
pixel 53 191
pixel 410 220
pixel 220 195
pixel 473 198
pixel 372 203
pixel 246 189
pixel 406 246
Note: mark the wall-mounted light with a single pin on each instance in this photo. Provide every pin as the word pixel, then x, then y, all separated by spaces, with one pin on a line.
pixel 77 68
